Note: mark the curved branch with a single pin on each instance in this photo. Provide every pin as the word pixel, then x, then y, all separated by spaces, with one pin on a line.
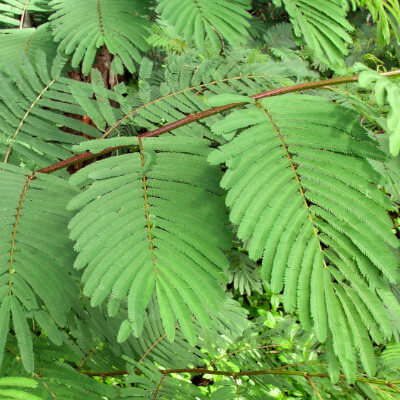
pixel 207 113
pixel 197 87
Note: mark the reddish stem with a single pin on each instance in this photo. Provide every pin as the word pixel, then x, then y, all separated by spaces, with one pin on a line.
pixel 207 113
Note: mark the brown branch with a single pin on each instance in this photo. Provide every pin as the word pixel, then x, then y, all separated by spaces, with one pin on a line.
pixel 314 386
pixel 390 384
pixel 28 111
pixel 375 381
pixel 85 360
pixel 159 386
pixel 207 113
pixel 155 344
pixel 174 94
pixel 77 158
pixel 112 373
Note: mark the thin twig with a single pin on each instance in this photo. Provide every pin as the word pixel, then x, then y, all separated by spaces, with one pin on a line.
pixel 241 351
pixel 159 386
pixel 84 361
pixel 375 381
pixel 28 111
pixel 155 344
pixel 313 385
pixel 45 385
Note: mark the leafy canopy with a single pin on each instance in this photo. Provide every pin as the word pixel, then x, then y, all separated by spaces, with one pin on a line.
pixel 198 199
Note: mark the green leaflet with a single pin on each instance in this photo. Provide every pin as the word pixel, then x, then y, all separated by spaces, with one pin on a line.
pixel 164 227
pixel 4 325
pixel 285 163
pixel 360 333
pixel 124 331
pixel 20 382
pixel 387 16
pixel 96 24
pixel 222 99
pixel 23 334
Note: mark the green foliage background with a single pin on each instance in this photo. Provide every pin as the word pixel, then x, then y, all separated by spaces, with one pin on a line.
pixel 247 251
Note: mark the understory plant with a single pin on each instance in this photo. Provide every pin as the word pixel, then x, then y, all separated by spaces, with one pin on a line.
pixel 199 199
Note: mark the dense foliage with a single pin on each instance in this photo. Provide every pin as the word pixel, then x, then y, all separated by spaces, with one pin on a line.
pixel 199 199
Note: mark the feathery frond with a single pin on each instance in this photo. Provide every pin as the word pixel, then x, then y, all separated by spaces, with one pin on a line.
pixel 164 36
pixel 188 80
pixel 17 44
pixel 163 230
pixel 386 13
pixel 302 193
pixel 385 92
pixel 12 12
pixel 120 273
pixel 81 28
pixel 243 273
pixel 35 280
pixel 201 21
pixel 34 100
pixel 54 377
pixel 323 25
pixel 280 35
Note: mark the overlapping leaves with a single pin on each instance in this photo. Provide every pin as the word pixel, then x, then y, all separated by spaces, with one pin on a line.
pixel 81 28
pixel 323 25
pixel 302 193
pixel 34 99
pixel 201 20
pixel 35 280
pixel 153 222
pixel 13 12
